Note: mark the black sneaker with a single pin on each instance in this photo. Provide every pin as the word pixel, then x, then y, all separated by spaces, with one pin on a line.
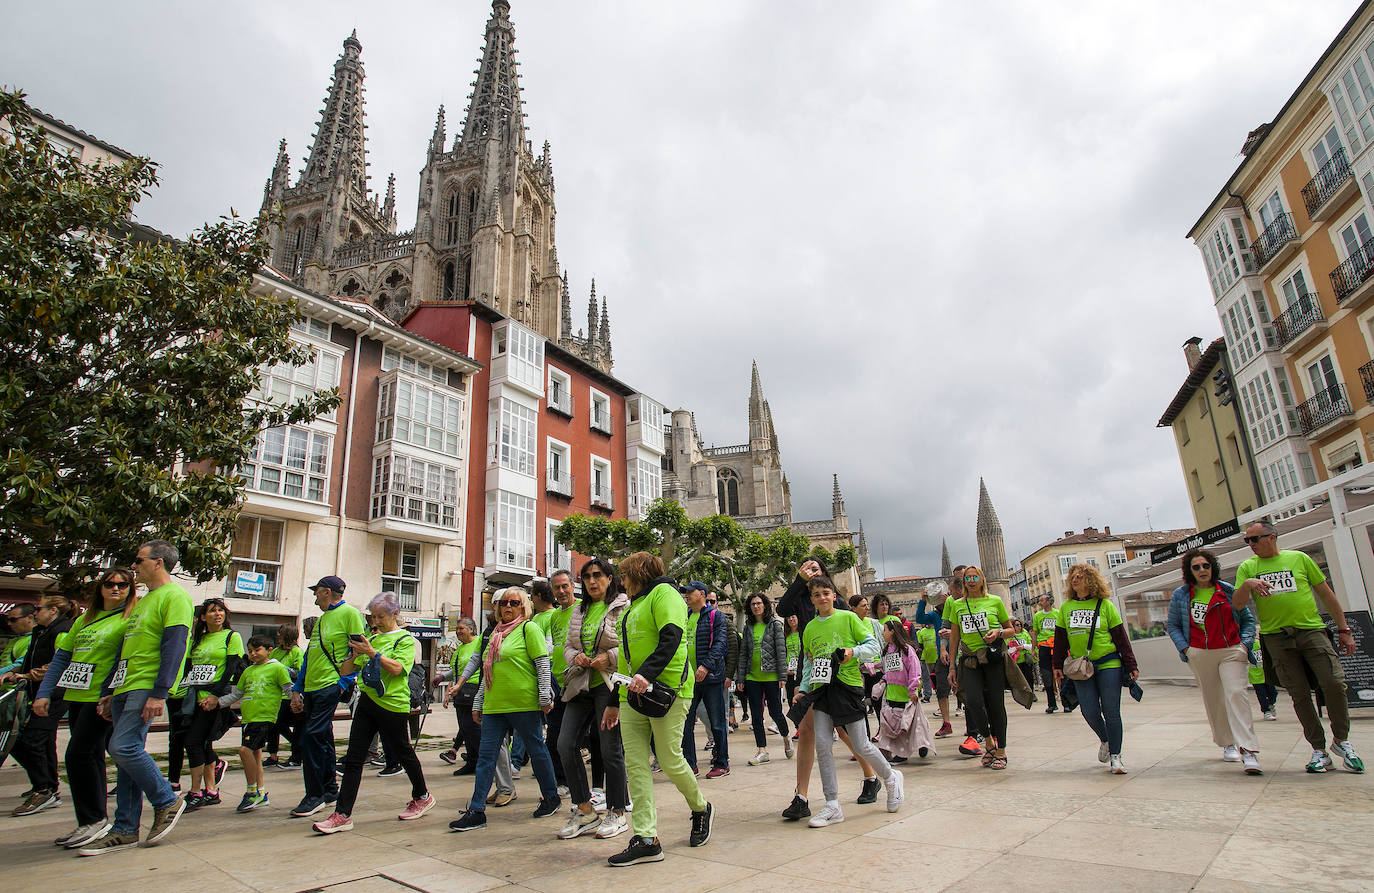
pixel 449 756
pixel 292 762
pixel 1051 709
pixel 193 800
pixel 220 766
pixel 210 799
pixel 798 810
pixel 466 769
pixel 701 826
pixel 869 794
pixel 270 762
pixel 388 771
pixel 639 850
pixel 470 820
pixel 548 806
pixel 308 806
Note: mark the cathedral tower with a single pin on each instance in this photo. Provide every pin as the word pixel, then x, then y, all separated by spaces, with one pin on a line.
pixel 770 493
pixel 992 555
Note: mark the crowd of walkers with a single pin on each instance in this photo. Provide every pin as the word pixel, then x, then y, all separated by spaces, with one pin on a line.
pixel 614 673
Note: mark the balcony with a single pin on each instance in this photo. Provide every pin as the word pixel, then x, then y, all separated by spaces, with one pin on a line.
pixel 1278 240
pixel 1351 280
pixel 601 419
pixel 1304 315
pixel 1330 188
pixel 1367 379
pixel 602 498
pixel 560 402
pixel 1326 408
pixel 559 483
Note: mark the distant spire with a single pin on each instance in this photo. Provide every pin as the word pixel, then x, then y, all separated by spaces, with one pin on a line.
pixel 987 515
pixel 340 148
pixel 565 310
pixel 436 142
pixel 605 322
pixel 592 315
pixel 277 183
pixel 837 500
pixel 389 205
pixel 992 553
pixel 494 107
pixel 946 566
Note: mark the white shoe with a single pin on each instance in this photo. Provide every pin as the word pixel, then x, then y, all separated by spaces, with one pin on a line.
pixel 1271 715
pixel 830 814
pixel 1118 767
pixel 895 783
pixel 612 825
pixel 1230 754
pixel 579 822
pixel 759 758
pixel 1250 760
pixel 770 728
pixel 1103 751
pixel 598 800
pixel 562 790
pixel 87 834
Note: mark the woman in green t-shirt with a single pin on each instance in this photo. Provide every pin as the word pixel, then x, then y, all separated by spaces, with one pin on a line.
pixel 793 642
pixel 1090 626
pixel 469 732
pixel 979 623
pixel 383 710
pixel 763 655
pixel 216 658
pixel 289 654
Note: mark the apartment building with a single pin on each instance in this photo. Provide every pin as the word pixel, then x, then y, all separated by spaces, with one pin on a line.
pixel 1288 245
pixel 1046 567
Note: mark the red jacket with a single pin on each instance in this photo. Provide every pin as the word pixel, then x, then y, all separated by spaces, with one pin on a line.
pixel 1218 629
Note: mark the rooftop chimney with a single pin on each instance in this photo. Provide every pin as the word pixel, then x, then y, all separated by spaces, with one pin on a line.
pixel 1192 352
pixel 1107 529
pixel 1068 533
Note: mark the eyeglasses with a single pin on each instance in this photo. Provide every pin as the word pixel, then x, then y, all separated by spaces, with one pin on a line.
pixel 1251 540
pixel 593 575
pixel 509 603
pixel 139 560
pixel 111 584
pixel 973 579
pixel 710 601
pixel 1200 567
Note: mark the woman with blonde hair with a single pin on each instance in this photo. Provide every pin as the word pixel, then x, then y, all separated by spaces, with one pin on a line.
pixel 1090 627
pixel 979 624
pixel 517 686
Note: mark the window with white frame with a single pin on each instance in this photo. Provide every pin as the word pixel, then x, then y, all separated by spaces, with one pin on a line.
pixel 1280 479
pixel 1264 414
pixel 1066 562
pixel 410 489
pixel 1355 234
pixel 1321 375
pixel 284 384
pixel 510 529
pixel 516 447
pixel 556 556
pixel 1222 257
pixel 289 461
pixel 648 484
pixel 524 351
pixel 601 412
pixel 642 409
pixel 394 359
pixel 1116 558
pixel 1242 334
pixel 1326 148
pixel 1353 95
pixel 401 573
pixel 1270 209
pixel 601 482
pixel 559 468
pixel 420 414
pixel 559 395
pixel 315 328
pixel 256 549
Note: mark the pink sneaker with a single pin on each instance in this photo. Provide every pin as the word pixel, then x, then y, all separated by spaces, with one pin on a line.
pixel 335 823
pixel 416 808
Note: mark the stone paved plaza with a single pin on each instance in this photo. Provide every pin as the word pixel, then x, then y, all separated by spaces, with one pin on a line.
pixel 1053 821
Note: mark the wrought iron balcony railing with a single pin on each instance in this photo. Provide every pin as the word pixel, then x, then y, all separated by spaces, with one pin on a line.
pixel 1354 272
pixel 1300 316
pixel 1275 236
pixel 1323 409
pixel 1328 180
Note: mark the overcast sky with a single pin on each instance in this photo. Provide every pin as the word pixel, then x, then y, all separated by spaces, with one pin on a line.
pixel 952 234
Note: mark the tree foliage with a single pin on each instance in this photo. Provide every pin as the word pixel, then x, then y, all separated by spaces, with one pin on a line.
pixel 715 550
pixel 126 359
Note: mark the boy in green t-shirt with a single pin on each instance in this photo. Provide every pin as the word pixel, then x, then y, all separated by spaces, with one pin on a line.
pixel 260 690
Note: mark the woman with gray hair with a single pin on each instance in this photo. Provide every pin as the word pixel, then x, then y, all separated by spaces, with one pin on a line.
pixel 384 662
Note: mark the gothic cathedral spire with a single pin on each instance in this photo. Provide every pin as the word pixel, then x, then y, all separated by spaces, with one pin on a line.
pixel 340 148
pixel 495 110
pixel 946 566
pixel 992 554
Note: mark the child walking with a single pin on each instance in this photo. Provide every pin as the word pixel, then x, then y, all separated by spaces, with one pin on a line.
pixel 259 692
pixel 902 725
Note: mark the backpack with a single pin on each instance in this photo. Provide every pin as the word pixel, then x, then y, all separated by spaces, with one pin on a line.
pixel 733 644
pixel 417 681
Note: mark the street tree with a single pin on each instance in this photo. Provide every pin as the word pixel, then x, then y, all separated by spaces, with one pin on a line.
pixel 126 360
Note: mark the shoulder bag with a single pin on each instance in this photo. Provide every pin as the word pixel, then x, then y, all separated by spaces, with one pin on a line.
pixel 658 700
pixel 1081 668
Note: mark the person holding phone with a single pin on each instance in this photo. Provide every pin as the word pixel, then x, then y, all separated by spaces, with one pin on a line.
pixel 979 622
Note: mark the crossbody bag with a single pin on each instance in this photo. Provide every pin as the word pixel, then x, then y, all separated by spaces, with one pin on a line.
pixel 658 700
pixel 1081 668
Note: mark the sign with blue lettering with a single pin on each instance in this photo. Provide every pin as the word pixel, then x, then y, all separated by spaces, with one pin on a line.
pixel 249 583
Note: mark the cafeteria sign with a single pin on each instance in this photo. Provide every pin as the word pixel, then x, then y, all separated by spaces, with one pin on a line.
pixel 1224 530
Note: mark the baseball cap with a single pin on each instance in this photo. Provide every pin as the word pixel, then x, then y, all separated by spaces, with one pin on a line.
pixel 695 584
pixel 331 582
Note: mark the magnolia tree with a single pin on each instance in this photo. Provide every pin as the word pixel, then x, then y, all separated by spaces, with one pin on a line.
pixel 126 359
pixel 716 550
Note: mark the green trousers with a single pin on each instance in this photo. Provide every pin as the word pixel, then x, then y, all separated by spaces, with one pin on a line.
pixel 635 731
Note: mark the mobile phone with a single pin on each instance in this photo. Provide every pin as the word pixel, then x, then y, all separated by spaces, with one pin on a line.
pixel 354 637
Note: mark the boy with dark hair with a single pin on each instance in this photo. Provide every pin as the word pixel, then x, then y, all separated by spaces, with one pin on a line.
pixel 259 692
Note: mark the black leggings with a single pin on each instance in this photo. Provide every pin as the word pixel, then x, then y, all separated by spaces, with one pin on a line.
pixel 176 738
pixel 1047 674
pixel 469 732
pixel 371 719
pixel 200 747
pixel 85 759
pixel 756 692
pixel 984 687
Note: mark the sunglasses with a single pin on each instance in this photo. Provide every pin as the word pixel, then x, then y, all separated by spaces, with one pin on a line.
pixel 973 579
pixel 509 603
pixel 111 584
pixel 1200 567
pixel 1251 540
pixel 593 575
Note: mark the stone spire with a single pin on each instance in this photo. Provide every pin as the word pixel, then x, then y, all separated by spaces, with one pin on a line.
pixel 277 183
pixel 592 316
pixel 494 107
pixel 436 142
pixel 992 554
pixel 605 324
pixel 837 506
pixel 946 566
pixel 759 439
pixel 389 204
pixel 866 572
pixel 565 310
pixel 339 151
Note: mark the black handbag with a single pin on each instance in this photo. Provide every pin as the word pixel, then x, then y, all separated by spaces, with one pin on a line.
pixel 658 700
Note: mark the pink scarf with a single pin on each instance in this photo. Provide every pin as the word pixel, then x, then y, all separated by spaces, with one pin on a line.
pixel 498 634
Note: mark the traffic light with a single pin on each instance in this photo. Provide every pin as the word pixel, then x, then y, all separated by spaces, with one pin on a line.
pixel 1223 391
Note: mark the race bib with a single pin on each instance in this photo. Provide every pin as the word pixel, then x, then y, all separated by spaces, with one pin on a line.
pixel 77 677
pixel 1200 613
pixel 974 623
pixel 821 671
pixel 892 662
pixel 1280 582
pixel 201 674
pixel 121 670
pixel 1080 619
pixel 1047 624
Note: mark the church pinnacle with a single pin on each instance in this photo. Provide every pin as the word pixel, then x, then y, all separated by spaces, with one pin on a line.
pixel 494 107
pixel 946 566
pixel 339 150
pixel 992 554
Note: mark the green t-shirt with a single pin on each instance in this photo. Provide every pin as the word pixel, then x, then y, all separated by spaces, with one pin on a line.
pixel 328 640
pixel 141 653
pixel 591 624
pixel 756 673
pixel 93 641
pixel 209 656
pixel 1257 668
pixel 659 607
pixel 1291 576
pixel 289 659
pixel 1076 617
pixel 514 686
pixel 399 645
pixel 559 618
pixel 542 620
pixel 262 686
pixel 462 654
pixel 842 629
pixel 929 642
pixel 793 642
pixel 974 617
pixel 1045 623
pixel 1197 611
pixel 14 652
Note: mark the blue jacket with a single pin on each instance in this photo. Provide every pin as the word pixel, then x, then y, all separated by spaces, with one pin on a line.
pixel 711 640
pixel 1179 619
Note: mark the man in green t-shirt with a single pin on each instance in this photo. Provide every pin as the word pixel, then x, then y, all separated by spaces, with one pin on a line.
pixel 1282 585
pixel 1043 623
pixel 148 663
pixel 318 689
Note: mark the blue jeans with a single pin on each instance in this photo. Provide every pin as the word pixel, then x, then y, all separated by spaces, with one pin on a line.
pixel 1099 699
pixel 137 774
pixel 528 726
pixel 712 694
pixel 317 743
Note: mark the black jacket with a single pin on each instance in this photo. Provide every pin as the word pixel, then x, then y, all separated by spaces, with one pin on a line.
pixel 669 637
pixel 797 600
pixel 43 647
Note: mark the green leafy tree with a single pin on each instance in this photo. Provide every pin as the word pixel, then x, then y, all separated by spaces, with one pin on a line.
pixel 716 550
pixel 126 358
